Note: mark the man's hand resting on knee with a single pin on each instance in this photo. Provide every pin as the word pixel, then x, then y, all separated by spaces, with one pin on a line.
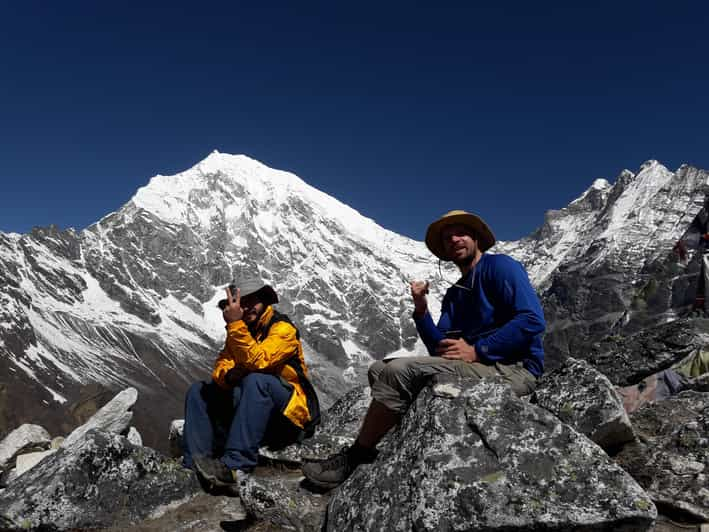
pixel 456 350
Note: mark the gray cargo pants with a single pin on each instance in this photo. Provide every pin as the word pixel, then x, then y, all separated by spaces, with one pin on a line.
pixel 396 383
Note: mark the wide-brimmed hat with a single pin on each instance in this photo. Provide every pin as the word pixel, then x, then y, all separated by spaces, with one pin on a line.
pixel 252 285
pixel 482 232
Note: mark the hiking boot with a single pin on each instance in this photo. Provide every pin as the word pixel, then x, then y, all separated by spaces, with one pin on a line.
pixel 331 472
pixel 214 472
pixel 335 469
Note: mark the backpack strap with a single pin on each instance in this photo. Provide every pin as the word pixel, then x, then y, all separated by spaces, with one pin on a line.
pixel 294 362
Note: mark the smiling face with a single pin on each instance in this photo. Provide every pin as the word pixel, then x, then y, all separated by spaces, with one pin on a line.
pixel 253 308
pixel 460 244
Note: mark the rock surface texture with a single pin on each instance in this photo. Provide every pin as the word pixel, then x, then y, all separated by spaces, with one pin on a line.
pixel 101 481
pixel 23 439
pixel 584 398
pixel 478 458
pixel 283 501
pixel 628 360
pixel 670 460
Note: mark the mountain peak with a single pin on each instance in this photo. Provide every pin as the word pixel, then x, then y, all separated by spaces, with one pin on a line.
pixel 237 189
pixel 600 184
pixel 650 163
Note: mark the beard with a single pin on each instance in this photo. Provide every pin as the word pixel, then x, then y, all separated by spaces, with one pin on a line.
pixel 465 261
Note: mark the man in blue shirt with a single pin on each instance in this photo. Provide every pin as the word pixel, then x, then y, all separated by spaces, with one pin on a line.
pixel 491 324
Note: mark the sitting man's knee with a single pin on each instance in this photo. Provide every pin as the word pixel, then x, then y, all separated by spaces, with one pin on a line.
pixel 375 370
pixel 255 380
pixel 397 366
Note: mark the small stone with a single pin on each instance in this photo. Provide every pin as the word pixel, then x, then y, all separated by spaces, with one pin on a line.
pixel 114 417
pixel 177 427
pixel 25 438
pixel 134 436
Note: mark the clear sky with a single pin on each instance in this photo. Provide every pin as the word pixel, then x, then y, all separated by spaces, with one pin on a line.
pixel 402 110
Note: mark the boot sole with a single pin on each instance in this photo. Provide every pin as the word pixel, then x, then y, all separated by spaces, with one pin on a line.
pixel 324 484
pixel 211 479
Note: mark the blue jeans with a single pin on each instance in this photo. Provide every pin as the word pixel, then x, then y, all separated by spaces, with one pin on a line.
pixel 234 423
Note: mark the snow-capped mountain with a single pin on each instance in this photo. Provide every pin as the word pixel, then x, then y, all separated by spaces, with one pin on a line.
pixel 131 300
pixel 605 263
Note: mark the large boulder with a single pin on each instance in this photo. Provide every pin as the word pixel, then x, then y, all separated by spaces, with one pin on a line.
pixel 25 438
pixel 627 360
pixel 475 457
pixel 103 480
pixel 670 459
pixel 584 398
pixel 114 417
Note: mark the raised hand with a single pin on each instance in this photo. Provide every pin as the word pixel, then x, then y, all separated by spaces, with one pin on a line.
pixel 419 289
pixel 233 311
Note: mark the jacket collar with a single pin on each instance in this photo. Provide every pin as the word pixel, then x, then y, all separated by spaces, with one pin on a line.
pixel 262 321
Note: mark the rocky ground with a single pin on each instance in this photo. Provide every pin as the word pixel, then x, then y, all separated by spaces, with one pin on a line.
pixel 467 456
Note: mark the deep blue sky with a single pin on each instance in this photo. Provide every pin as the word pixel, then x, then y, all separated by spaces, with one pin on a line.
pixel 402 110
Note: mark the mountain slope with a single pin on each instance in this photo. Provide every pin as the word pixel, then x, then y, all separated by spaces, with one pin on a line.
pixel 605 265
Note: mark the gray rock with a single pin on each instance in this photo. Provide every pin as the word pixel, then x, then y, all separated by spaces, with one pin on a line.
pixel 25 462
pixel 584 398
pixel 626 360
pixel 177 427
pixel 670 459
pixel 202 513
pixel 103 480
pixel 134 436
pixel 486 460
pixel 21 440
pixel 113 417
pixel 282 501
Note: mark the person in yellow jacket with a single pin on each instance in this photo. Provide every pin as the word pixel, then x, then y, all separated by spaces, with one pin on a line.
pixel 259 393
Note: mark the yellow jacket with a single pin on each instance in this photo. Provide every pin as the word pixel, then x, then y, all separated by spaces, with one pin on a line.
pixel 266 355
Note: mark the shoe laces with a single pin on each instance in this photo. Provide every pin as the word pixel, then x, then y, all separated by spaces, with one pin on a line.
pixel 336 461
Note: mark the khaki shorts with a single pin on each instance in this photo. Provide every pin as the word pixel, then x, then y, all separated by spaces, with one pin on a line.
pixel 396 383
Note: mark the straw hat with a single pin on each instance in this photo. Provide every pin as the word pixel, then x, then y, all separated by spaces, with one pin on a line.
pixel 482 232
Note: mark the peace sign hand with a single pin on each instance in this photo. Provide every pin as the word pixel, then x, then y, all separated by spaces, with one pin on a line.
pixel 233 311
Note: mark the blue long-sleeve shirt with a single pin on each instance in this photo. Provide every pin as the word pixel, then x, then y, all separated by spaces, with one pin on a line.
pixel 498 312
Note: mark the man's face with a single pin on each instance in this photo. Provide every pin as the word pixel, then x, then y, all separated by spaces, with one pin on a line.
pixel 459 243
pixel 253 308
